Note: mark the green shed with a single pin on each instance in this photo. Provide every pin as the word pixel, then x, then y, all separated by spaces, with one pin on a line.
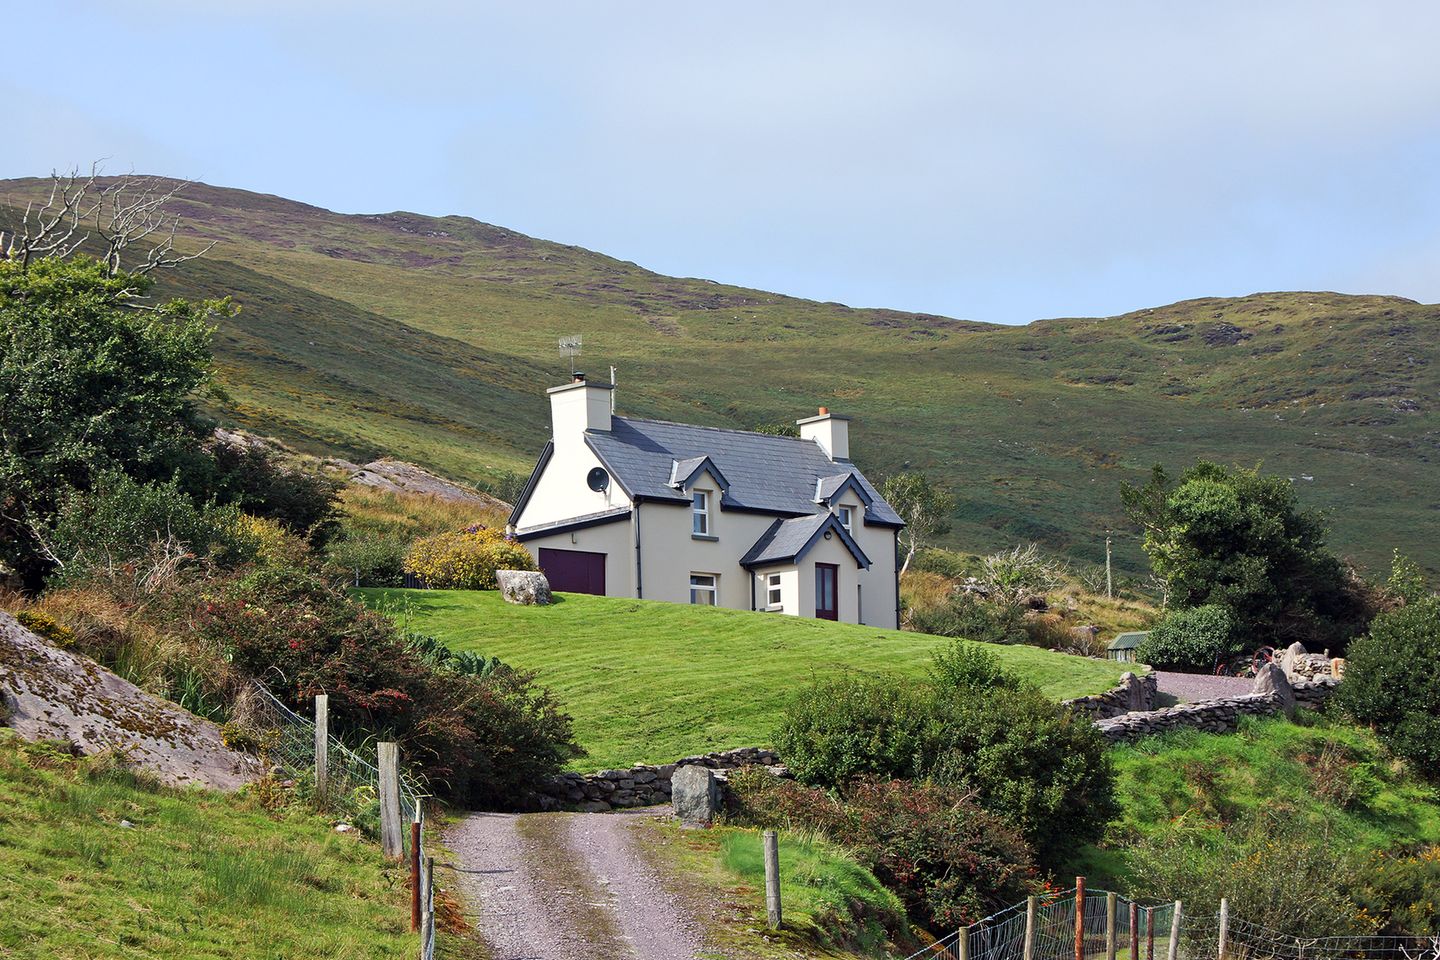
pixel 1122 648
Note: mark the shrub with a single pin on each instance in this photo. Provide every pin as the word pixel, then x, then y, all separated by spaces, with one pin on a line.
pixel 1274 868
pixel 120 521
pixel 1399 889
pixel 368 560
pixel 251 476
pixel 970 616
pixel 482 740
pixel 45 627
pixel 1391 683
pixel 969 666
pixel 950 861
pixel 267 542
pixel 1194 639
pixel 1023 757
pixel 465 561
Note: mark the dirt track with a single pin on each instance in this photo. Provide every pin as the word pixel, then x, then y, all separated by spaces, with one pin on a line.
pixel 568 887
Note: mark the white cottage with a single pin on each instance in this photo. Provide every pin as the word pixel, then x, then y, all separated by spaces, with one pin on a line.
pixel 626 507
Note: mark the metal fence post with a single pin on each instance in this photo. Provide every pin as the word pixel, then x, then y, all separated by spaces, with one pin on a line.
pixel 1079 918
pixel 1174 952
pixel 772 879
pixel 415 872
pixel 391 841
pixel 1032 910
pixel 1110 908
pixel 1224 927
pixel 322 746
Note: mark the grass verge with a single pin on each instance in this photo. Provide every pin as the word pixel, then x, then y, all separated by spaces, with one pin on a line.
pixel 652 682
pixel 96 862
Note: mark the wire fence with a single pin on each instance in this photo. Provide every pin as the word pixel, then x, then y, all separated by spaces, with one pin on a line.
pixel 1113 927
pixel 290 742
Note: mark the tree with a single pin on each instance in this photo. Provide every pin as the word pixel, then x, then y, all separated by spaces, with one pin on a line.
pixel 924 507
pixel 1391 682
pixel 89 383
pixel 1236 539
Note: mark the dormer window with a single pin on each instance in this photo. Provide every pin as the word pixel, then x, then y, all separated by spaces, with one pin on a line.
pixel 846 513
pixel 700 513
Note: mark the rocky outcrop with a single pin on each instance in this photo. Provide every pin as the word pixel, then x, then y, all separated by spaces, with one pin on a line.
pixel 52 694
pixel 401 477
pixel 1133 693
pixel 642 785
pixel 525 587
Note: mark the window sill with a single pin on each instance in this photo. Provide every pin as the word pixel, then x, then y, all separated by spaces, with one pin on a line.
pixel 704 536
pixel 775 608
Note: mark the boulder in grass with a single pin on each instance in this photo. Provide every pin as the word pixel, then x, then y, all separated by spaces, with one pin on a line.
pixel 526 587
pixel 695 794
pixel 1271 681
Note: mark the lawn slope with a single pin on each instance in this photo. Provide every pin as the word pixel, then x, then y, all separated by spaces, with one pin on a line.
pixel 94 863
pixel 651 682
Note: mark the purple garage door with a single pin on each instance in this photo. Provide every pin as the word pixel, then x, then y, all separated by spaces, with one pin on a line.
pixel 574 571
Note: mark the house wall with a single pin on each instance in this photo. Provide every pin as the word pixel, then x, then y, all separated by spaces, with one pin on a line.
pixel 561 492
pixel 612 539
pixel 877 583
pixel 789 589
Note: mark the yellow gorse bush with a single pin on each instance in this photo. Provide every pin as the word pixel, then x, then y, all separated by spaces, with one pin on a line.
pixel 465 561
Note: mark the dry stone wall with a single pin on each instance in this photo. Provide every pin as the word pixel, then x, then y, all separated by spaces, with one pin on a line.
pixel 1133 693
pixel 1221 715
pixel 641 785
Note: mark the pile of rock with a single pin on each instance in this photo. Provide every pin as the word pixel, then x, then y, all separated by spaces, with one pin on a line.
pixel 642 785
pixel 1133 693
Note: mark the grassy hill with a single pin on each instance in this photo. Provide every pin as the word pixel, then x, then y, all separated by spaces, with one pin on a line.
pixel 432 339
pixel 99 864
pixel 651 682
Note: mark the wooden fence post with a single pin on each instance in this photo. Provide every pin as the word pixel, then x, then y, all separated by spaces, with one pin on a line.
pixel 1174 952
pixel 772 879
pixel 1149 933
pixel 1032 910
pixel 1134 930
pixel 390 839
pixel 1079 918
pixel 415 872
pixel 322 745
pixel 962 944
pixel 1224 928
pixel 1110 909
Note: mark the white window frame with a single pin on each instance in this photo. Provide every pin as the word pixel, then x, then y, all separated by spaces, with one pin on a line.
pixel 712 588
pixel 847 519
pixel 700 514
pixel 774 591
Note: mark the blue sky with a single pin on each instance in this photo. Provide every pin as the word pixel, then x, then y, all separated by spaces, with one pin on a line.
pixel 1001 162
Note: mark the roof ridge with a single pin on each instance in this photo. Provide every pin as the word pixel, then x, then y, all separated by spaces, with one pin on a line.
pixel 701 426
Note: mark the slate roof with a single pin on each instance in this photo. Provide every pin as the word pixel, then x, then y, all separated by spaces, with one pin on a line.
pixel 764 472
pixel 789 540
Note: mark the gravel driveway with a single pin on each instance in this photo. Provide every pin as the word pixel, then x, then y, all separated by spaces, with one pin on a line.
pixel 1190 687
pixel 568 886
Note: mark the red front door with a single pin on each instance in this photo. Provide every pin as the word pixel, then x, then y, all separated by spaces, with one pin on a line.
pixel 827 603
pixel 574 571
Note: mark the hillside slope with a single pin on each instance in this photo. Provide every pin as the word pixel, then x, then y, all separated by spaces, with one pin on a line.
pixel 432 339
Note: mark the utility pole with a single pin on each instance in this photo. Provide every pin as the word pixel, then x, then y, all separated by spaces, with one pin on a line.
pixel 1109 580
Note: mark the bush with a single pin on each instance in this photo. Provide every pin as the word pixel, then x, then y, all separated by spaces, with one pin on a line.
pixel 121 521
pixel 972 728
pixel 1400 889
pixel 970 667
pixel 1196 639
pixel 368 560
pixel 481 740
pixel 950 861
pixel 1392 684
pixel 252 478
pixel 969 616
pixel 1274 869
pixel 46 628
pixel 465 561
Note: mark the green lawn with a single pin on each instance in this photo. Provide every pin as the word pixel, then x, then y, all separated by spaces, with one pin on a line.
pixel 195 875
pixel 650 682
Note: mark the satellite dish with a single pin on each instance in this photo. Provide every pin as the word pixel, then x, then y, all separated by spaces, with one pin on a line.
pixel 597 479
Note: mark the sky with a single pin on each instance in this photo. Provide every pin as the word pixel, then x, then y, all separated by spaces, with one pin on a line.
pixel 1001 161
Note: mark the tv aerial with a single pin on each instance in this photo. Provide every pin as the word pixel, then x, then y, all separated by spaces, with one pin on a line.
pixel 570 347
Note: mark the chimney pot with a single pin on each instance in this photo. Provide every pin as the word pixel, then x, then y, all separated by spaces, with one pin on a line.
pixel 824 411
pixel 578 377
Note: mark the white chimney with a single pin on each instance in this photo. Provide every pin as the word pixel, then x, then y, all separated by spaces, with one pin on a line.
pixel 579 406
pixel 830 430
